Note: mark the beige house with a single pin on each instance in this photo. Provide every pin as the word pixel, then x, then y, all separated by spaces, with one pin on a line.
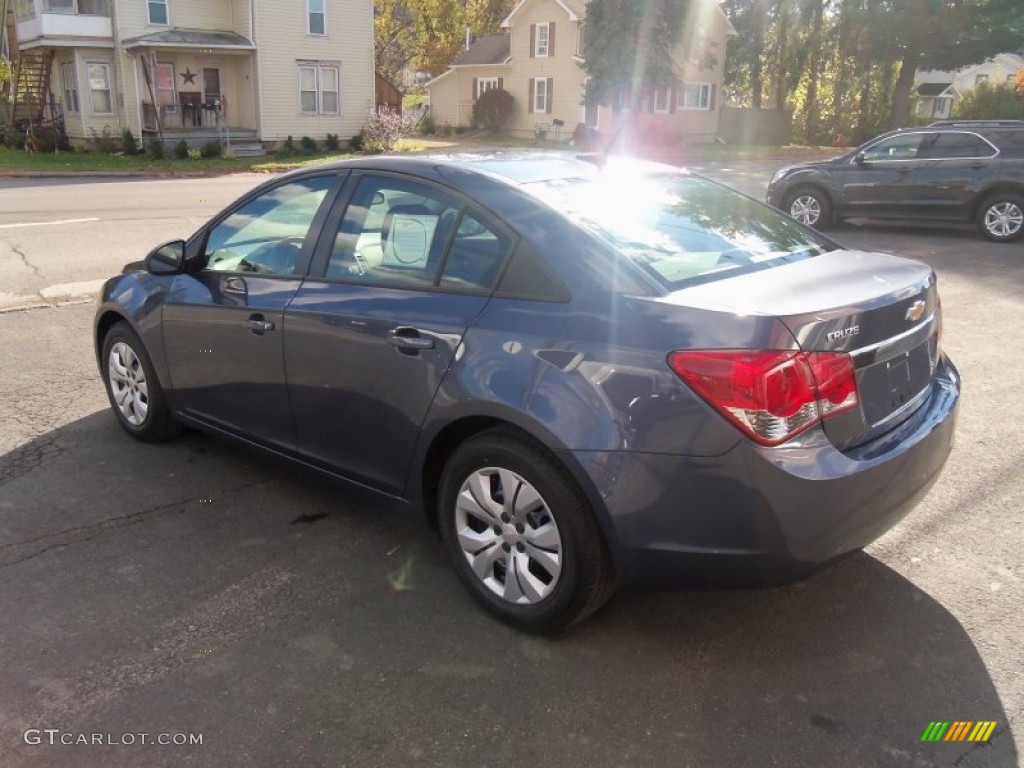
pixel 259 69
pixel 938 91
pixel 539 61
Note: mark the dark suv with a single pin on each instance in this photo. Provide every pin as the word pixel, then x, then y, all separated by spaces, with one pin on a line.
pixel 969 170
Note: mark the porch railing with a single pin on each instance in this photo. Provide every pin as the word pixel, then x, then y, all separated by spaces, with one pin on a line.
pixel 182 115
pixel 78 7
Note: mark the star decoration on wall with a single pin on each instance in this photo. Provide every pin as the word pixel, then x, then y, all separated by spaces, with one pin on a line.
pixel 189 76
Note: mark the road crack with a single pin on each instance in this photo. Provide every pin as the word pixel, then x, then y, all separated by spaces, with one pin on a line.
pixel 24 260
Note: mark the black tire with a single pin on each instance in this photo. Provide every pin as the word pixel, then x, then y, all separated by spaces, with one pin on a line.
pixel 138 387
pixel 585 579
pixel 810 206
pixel 1001 217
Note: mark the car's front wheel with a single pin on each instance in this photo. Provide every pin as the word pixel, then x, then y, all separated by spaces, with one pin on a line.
pixel 1001 217
pixel 520 533
pixel 133 388
pixel 809 206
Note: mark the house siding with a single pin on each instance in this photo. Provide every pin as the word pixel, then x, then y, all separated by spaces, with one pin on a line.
pixel 283 42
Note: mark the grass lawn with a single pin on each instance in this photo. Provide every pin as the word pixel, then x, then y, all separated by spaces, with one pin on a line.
pixel 16 161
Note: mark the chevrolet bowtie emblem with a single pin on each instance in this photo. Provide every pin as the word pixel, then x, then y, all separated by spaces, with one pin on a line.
pixel 916 311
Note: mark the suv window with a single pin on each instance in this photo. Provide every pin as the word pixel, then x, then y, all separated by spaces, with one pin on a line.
pixel 901 147
pixel 955 145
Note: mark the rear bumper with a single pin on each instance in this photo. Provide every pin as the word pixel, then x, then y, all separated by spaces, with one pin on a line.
pixel 760 515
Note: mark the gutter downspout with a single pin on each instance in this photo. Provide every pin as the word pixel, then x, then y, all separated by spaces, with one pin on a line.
pixel 257 72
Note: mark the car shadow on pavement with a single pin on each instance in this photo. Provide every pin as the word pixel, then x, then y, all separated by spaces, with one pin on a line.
pixel 338 629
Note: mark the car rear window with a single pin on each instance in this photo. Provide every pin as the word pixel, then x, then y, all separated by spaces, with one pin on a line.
pixel 682 230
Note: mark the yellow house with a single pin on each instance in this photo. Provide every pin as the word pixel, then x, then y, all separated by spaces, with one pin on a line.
pixel 255 70
pixel 539 58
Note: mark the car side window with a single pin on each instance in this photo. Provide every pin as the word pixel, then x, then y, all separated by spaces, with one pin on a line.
pixel 956 145
pixel 894 148
pixel 404 234
pixel 475 256
pixel 266 234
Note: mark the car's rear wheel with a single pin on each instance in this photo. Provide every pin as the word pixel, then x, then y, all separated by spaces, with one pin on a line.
pixel 133 388
pixel 520 533
pixel 809 206
pixel 1001 217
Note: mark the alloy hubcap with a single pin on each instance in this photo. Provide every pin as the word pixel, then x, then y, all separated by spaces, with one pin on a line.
pixel 508 535
pixel 1004 219
pixel 806 209
pixel 128 383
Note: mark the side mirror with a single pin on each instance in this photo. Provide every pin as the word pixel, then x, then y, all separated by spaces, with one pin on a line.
pixel 859 158
pixel 166 259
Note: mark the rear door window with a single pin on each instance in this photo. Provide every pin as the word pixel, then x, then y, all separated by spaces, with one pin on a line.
pixel 955 146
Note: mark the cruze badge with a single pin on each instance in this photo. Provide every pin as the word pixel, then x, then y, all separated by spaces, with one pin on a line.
pixel 916 311
pixel 853 330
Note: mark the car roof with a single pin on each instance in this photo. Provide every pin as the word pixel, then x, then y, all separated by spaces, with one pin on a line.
pixel 509 166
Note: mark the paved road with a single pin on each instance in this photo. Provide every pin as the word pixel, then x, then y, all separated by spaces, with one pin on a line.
pixel 193 588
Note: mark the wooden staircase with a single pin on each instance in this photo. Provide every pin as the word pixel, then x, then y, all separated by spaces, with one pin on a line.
pixel 31 84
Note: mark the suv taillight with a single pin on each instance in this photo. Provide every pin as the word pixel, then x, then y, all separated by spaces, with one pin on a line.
pixel 771 395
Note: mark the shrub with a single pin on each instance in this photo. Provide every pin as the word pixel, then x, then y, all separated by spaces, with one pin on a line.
pixel 332 142
pixel 181 150
pixel 128 143
pixel 988 101
pixel 156 149
pixel 289 144
pixel 493 110
pixel 103 142
pixel 308 145
pixel 210 148
pixel 427 127
pixel 194 153
pixel 356 142
pixel 384 127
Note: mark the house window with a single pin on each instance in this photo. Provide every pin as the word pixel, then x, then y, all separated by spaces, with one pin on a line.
pixel 580 39
pixel 662 100
pixel 24 9
pixel 70 81
pixel 485 84
pixel 157 11
pixel 979 79
pixel 941 106
pixel 99 88
pixel 317 17
pixel 540 94
pixel 696 96
pixel 542 40
pixel 320 89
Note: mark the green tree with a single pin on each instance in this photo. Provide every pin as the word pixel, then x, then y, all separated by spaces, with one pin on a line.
pixel 629 47
pixel 988 101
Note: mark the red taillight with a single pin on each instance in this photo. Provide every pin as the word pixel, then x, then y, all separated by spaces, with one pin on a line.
pixel 771 395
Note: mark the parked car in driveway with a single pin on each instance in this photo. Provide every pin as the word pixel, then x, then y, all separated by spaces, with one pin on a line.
pixel 968 171
pixel 584 373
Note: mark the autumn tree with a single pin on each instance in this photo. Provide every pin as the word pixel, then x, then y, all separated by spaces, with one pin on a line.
pixel 629 45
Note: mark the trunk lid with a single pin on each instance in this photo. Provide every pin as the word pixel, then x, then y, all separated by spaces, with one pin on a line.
pixel 883 310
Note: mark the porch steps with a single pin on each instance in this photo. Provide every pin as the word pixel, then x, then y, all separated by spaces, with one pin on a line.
pixel 31 84
pixel 244 142
pixel 247 149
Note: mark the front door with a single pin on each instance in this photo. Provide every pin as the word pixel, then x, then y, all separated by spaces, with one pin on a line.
pixel 211 85
pixel 223 323
pixel 368 343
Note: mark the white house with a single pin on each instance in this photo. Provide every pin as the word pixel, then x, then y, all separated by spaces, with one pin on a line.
pixel 190 68
pixel 938 91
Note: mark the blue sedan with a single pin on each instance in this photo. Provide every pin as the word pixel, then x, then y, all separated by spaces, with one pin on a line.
pixel 585 373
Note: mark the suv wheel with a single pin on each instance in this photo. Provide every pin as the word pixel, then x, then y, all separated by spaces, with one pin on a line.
pixel 1001 217
pixel 808 206
pixel 521 535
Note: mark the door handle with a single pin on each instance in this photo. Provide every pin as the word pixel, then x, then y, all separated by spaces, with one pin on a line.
pixel 259 326
pixel 410 339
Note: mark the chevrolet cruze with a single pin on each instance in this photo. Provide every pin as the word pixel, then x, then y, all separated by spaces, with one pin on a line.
pixel 584 373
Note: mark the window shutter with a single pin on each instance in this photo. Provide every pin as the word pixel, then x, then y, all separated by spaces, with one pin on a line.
pixel 476 88
pixel 652 96
pixel 711 97
pixel 533 42
pixel 501 83
pixel 551 39
pixel 551 90
pixel 672 101
pixel 533 90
